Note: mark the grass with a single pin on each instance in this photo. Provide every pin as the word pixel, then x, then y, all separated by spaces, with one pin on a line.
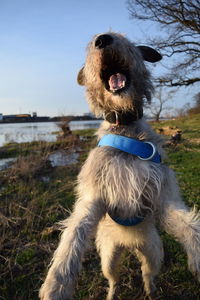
pixel 30 206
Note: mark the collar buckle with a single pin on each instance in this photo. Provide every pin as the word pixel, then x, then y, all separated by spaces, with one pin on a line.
pixel 153 152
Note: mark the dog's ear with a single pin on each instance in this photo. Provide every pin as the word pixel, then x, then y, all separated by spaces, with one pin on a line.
pixel 81 77
pixel 149 54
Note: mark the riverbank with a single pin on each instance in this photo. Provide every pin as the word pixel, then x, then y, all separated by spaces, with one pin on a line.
pixel 34 195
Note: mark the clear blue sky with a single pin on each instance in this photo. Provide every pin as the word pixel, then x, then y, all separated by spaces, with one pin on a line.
pixel 42 47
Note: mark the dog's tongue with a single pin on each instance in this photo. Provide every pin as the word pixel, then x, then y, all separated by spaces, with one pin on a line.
pixel 116 81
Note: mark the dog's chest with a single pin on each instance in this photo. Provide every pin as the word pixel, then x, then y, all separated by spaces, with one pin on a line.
pixel 126 183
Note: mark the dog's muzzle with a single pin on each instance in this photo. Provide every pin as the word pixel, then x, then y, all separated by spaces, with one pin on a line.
pixel 114 75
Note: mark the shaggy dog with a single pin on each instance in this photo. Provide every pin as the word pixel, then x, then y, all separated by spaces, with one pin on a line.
pixel 121 195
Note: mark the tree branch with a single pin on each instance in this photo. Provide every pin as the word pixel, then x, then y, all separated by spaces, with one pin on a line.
pixel 180 22
pixel 181 82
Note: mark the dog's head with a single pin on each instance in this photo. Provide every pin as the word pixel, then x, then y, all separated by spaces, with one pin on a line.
pixel 115 75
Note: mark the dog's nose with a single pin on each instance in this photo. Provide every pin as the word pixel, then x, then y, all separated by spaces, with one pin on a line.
pixel 103 40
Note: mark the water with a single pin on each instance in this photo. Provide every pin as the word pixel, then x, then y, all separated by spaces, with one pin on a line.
pixel 61 158
pixel 44 131
pixel 6 162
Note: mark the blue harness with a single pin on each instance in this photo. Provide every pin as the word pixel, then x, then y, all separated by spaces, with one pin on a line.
pixel 143 150
pixel 126 222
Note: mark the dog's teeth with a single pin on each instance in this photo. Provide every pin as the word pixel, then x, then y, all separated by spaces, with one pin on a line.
pixel 119 88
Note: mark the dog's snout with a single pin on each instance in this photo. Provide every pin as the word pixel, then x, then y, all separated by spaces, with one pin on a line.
pixel 103 40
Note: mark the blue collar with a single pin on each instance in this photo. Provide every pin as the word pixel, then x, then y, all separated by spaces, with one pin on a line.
pixel 143 150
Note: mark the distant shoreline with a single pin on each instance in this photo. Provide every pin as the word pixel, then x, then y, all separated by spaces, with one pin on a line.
pixel 54 119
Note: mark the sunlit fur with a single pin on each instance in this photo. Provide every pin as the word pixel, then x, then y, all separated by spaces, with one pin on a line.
pixel 111 178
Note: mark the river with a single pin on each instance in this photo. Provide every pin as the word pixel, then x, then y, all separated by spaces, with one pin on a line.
pixel 41 131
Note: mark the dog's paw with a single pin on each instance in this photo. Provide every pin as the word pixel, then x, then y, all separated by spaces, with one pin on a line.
pixel 141 295
pixel 52 290
pixel 194 265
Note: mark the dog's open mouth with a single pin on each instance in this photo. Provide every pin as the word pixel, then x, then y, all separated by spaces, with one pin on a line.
pixel 117 82
pixel 114 75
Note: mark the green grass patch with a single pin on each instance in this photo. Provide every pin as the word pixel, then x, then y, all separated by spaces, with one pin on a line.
pixel 31 206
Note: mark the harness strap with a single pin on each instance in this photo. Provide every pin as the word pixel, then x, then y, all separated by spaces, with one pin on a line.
pixel 127 222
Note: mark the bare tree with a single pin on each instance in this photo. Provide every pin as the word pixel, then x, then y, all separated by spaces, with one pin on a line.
pixel 179 22
pixel 196 108
pixel 158 104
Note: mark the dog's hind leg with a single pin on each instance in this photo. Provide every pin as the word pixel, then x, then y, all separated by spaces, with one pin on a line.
pixel 150 254
pixel 110 255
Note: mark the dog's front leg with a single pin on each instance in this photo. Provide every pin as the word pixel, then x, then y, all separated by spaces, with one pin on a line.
pixel 66 262
pixel 184 224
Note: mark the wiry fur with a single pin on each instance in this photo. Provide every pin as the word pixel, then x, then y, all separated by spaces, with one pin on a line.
pixel 113 179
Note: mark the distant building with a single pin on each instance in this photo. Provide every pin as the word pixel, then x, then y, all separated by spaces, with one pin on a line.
pixel 17 118
pixel 1 117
